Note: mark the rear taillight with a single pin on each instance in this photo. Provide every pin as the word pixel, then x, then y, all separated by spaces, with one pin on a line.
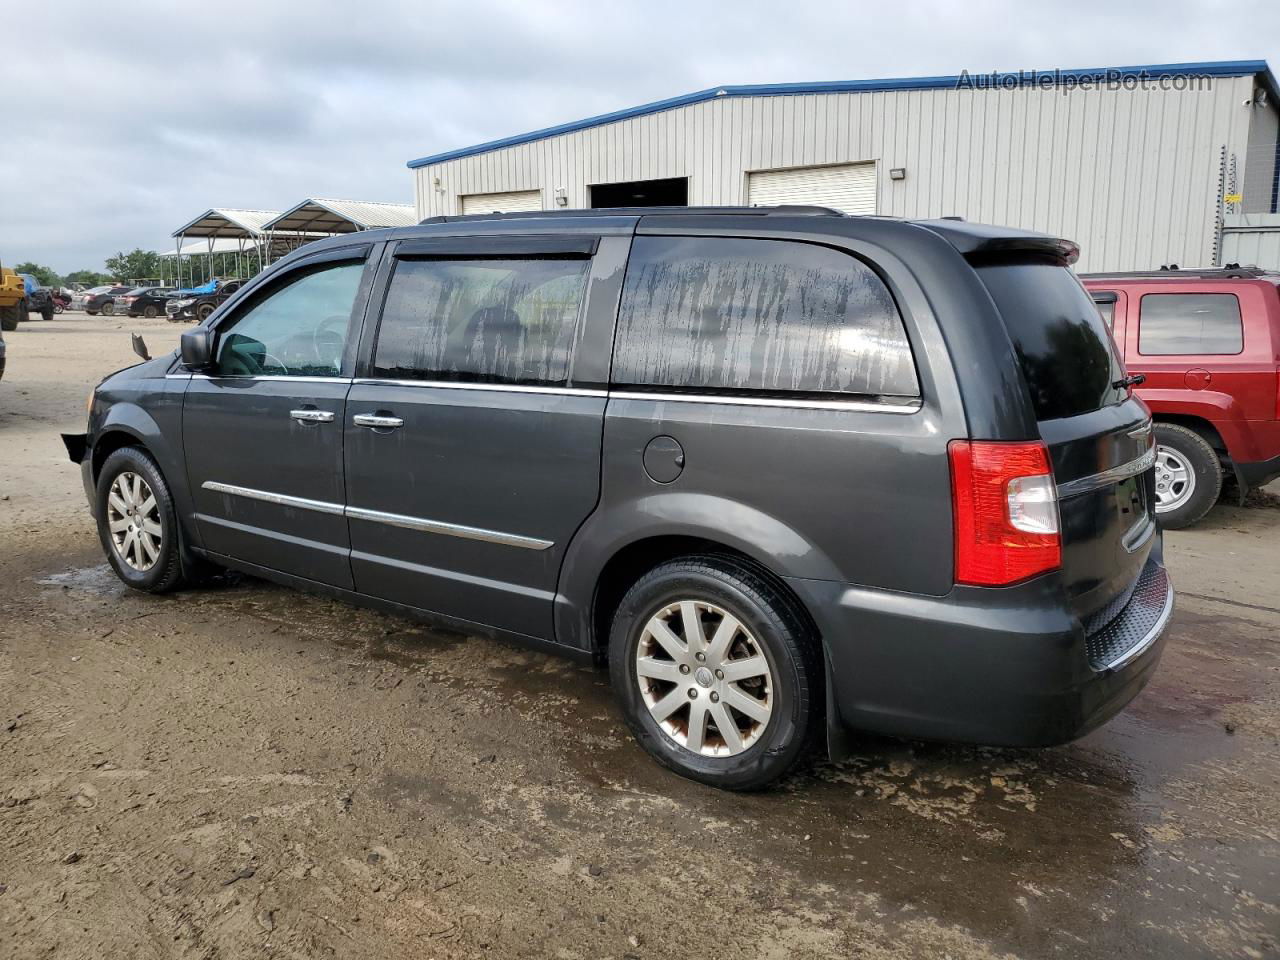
pixel 1006 512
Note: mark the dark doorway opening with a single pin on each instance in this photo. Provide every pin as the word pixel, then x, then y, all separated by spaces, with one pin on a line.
pixel 672 192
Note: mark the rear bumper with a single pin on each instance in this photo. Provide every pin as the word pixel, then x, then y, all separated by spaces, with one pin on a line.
pixel 1008 667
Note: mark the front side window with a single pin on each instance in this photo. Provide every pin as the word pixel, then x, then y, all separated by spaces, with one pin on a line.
pixel 481 320
pixel 766 316
pixel 299 329
pixel 1171 324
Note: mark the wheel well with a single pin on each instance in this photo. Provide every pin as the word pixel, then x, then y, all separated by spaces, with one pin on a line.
pixel 109 443
pixel 1197 425
pixel 634 560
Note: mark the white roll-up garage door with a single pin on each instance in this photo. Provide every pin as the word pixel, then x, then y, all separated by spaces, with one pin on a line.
pixel 850 188
pixel 513 202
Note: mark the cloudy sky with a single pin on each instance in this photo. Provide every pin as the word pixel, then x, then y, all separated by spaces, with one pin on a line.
pixel 134 117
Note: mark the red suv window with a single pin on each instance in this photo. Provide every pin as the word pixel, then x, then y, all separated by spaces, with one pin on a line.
pixel 1178 324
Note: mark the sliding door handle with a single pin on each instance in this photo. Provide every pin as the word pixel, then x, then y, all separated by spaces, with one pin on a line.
pixel 376 421
pixel 312 416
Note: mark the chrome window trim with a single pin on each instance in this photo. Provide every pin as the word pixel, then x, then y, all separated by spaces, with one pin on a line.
pixel 378 516
pixel 1152 635
pixel 499 387
pixel 272 377
pixel 863 406
pixel 1073 488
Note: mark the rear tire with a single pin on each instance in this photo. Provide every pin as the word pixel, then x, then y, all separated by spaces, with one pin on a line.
pixel 1188 476
pixel 770 646
pixel 150 312
pixel 108 309
pixel 9 316
pixel 134 498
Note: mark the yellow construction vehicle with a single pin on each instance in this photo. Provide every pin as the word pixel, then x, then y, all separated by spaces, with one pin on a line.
pixel 13 299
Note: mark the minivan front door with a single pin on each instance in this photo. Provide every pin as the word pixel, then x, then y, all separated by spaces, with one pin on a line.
pixel 262 430
pixel 472 435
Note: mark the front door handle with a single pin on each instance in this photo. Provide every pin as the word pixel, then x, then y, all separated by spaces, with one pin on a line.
pixel 312 416
pixel 376 421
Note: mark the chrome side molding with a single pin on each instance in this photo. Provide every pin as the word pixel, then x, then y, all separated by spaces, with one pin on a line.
pixel 378 516
pixel 266 496
pixel 448 529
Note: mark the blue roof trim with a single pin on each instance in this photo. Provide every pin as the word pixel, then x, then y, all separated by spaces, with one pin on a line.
pixel 1216 68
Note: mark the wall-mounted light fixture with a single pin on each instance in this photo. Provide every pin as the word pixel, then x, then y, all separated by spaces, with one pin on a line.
pixel 898 173
pixel 562 198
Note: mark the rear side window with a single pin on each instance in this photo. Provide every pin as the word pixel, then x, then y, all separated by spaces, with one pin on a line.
pixel 714 314
pixel 1171 324
pixel 482 321
pixel 1065 351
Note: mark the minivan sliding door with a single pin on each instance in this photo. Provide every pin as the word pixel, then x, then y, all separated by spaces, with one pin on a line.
pixel 473 431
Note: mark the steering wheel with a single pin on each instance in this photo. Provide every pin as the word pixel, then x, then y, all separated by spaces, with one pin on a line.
pixel 329 338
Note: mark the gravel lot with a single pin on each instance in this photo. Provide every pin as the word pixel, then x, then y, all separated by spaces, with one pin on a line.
pixel 245 771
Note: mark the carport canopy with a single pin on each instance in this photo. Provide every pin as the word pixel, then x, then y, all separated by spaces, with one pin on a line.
pixel 199 247
pixel 319 215
pixel 229 222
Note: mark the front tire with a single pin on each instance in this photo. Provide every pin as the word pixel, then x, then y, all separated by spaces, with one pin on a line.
pixel 1188 476
pixel 717 672
pixel 137 522
pixel 203 311
pixel 9 316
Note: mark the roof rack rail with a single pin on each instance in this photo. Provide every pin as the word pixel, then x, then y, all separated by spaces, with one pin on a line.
pixel 1232 271
pixel 787 211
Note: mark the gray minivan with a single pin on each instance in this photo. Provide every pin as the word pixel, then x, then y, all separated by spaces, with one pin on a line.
pixel 789 472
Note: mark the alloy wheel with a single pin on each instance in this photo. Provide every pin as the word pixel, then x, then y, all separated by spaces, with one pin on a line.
pixel 1175 480
pixel 704 678
pixel 133 520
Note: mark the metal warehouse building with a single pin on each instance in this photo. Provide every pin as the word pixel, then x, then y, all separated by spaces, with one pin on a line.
pixel 1142 166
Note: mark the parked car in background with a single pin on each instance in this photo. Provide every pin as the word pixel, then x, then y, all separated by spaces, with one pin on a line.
pixel 145 301
pixel 1208 344
pixel 100 300
pixel 39 299
pixel 788 471
pixel 198 307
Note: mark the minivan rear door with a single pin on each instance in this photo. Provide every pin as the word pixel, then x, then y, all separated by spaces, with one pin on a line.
pixel 473 430
pixel 1098 433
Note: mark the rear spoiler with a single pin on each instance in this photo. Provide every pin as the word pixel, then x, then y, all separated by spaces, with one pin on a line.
pixel 979 242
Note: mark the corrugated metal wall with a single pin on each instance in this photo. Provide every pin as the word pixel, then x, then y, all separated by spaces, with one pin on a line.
pixel 1131 175
pixel 1252 239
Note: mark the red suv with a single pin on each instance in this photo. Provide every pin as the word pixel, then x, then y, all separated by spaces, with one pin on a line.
pixel 1208 343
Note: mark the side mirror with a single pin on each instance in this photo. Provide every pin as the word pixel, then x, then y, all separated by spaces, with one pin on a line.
pixel 197 348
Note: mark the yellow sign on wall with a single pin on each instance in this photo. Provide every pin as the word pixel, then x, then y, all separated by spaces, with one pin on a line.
pixel 1232 198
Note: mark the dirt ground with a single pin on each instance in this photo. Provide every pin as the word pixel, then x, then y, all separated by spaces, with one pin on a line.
pixel 245 771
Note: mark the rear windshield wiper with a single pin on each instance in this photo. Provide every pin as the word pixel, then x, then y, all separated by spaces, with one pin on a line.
pixel 1133 380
